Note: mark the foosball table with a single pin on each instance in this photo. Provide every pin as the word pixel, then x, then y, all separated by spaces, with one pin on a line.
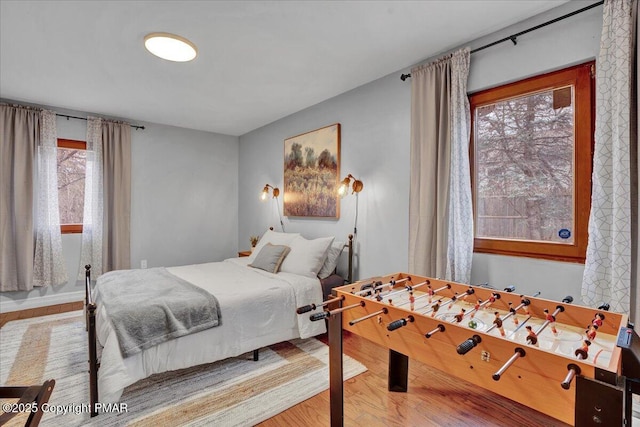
pixel 551 356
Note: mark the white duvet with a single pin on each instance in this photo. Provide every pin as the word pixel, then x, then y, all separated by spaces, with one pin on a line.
pixel 257 310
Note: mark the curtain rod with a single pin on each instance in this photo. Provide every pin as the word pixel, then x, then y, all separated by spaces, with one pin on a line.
pixel 513 37
pixel 136 127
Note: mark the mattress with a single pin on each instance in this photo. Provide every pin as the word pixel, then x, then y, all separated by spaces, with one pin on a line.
pixel 257 310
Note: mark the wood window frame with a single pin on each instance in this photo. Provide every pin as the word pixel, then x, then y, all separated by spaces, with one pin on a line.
pixel 582 77
pixel 73 144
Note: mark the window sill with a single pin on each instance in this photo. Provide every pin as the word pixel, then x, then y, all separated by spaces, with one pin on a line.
pixel 71 228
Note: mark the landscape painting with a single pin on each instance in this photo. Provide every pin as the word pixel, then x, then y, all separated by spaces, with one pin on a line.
pixel 311 173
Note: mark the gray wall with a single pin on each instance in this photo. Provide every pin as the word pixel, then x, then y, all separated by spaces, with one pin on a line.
pixel 375 121
pixel 184 204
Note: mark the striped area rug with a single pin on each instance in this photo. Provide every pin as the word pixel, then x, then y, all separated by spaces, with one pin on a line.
pixel 232 392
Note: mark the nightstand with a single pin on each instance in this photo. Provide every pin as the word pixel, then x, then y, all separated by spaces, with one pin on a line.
pixel 244 253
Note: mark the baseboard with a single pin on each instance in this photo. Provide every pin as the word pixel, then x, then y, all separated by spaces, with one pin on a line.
pixel 44 301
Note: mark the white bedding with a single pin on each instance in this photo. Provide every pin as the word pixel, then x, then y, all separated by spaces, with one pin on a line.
pixel 257 309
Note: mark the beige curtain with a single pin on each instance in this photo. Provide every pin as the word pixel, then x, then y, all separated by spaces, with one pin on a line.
pixel 430 168
pixel 19 138
pixel 116 152
pixel 440 209
pixel 107 206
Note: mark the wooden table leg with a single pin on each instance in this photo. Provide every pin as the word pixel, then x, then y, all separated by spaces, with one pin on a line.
pixel 336 394
pixel 398 371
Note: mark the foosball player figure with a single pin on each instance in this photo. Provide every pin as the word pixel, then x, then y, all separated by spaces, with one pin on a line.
pixel 492 299
pixel 460 315
pixel 514 316
pixel 378 296
pixel 469 291
pixel 390 302
pixel 598 319
pixel 435 308
pixel 453 300
pixel 430 293
pixel 592 332
pixel 552 321
pixel 476 307
pixel 412 301
pixel 532 338
pixel 524 306
pixel 498 322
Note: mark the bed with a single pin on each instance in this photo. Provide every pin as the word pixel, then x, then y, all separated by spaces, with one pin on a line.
pixel 257 308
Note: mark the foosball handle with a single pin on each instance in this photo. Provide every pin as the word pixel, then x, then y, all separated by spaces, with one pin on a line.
pixel 319 316
pixel 397 324
pixel 604 306
pixel 510 288
pixel 306 308
pixel 568 299
pixel 468 345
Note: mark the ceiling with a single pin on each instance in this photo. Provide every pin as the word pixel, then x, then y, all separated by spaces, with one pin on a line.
pixel 258 61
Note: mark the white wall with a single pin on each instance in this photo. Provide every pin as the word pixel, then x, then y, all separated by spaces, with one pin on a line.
pixel 184 204
pixel 375 121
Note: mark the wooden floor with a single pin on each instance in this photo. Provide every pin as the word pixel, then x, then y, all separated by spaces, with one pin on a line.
pixel 433 399
pixel 40 311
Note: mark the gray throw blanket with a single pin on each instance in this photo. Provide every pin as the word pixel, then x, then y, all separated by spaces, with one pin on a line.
pixel 148 307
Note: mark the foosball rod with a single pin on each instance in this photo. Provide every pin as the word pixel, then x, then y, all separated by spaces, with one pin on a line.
pixel 519 352
pixel 558 309
pixel 573 371
pixel 525 302
pixel 473 310
pixel 369 316
pixel 326 314
pixel 435 292
pixel 432 304
pixel 439 328
pixel 450 301
pixel 311 307
pixel 407 288
pixel 381 286
pixel 520 326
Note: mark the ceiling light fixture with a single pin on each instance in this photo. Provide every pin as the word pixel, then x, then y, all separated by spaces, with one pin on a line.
pixel 170 47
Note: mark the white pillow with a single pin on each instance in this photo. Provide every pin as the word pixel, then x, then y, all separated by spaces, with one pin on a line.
pixel 306 256
pixel 330 263
pixel 273 237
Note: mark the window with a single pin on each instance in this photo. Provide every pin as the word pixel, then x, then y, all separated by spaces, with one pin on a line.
pixel 531 155
pixel 71 172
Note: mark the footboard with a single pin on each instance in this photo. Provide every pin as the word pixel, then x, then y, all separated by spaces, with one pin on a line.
pixel 90 314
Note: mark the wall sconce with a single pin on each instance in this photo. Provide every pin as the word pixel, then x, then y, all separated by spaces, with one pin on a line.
pixel 265 192
pixel 344 186
pixel 276 192
pixel 356 188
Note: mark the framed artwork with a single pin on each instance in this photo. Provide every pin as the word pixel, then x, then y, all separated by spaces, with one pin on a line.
pixel 311 173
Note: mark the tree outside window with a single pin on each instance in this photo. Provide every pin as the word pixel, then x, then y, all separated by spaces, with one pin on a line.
pixel 531 150
pixel 71 172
